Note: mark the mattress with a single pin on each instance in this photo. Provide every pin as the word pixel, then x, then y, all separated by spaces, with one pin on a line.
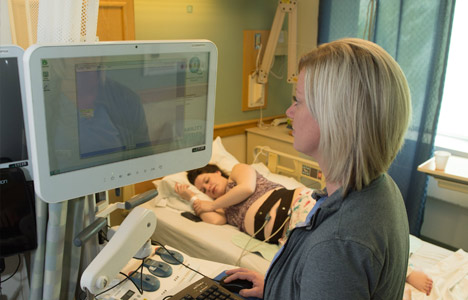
pixel 202 240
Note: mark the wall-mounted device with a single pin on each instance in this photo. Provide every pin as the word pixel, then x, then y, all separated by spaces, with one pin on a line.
pixel 107 115
pixel 288 7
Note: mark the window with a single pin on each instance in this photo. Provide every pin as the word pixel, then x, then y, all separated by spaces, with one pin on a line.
pixel 452 130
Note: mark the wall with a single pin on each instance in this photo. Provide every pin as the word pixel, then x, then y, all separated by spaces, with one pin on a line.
pixel 236 145
pixel 223 22
pixel 5 35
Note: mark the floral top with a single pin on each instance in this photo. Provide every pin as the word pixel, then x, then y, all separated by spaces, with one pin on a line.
pixel 235 214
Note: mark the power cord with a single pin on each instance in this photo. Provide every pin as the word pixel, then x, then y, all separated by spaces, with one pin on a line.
pixel 140 289
pixel 16 270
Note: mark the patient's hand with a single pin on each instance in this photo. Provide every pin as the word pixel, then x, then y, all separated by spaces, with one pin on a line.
pixel 183 191
pixel 200 206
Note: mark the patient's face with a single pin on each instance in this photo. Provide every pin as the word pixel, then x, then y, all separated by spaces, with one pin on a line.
pixel 212 184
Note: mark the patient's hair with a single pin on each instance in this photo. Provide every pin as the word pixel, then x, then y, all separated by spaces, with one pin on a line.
pixel 193 174
pixel 360 98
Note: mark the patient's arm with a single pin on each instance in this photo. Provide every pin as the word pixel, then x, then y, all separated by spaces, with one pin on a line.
pixel 214 217
pixel 246 182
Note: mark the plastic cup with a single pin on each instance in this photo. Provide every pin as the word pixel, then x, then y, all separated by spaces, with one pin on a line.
pixel 441 159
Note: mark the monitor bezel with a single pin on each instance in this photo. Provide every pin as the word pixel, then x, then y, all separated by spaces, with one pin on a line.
pixel 13 51
pixel 74 184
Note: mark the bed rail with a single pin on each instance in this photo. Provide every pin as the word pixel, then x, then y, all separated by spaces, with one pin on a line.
pixel 303 170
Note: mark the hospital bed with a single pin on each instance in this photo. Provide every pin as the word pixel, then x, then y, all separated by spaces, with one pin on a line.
pixel 224 243
pixel 216 242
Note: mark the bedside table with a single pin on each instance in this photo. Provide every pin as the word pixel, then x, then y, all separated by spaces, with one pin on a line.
pixel 275 137
pixel 455 175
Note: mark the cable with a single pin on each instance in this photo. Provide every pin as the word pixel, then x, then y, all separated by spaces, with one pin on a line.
pixel 140 289
pixel 261 242
pixel 260 123
pixel 127 278
pixel 259 153
pixel 158 243
pixel 267 219
pixel 17 268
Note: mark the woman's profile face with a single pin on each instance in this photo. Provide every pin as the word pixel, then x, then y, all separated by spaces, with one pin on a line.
pixel 212 184
pixel 306 130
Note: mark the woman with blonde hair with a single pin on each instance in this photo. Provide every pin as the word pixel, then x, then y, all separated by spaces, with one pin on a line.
pixel 351 111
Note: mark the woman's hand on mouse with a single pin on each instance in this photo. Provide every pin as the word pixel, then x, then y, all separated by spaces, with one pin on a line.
pixel 246 274
pixel 183 191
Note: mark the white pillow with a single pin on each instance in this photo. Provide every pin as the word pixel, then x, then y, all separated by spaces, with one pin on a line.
pixel 168 197
pixel 225 161
pixel 221 157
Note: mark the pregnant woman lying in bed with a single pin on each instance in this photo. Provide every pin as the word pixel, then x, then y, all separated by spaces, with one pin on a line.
pixel 260 207
pixel 247 200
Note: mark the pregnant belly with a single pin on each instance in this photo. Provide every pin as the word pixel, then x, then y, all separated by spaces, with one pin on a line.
pixel 249 220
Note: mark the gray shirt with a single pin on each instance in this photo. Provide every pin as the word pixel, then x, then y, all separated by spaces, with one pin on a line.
pixel 353 248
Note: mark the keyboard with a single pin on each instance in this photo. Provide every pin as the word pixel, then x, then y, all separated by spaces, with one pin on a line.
pixel 205 288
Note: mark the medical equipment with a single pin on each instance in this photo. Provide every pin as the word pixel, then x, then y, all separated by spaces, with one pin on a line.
pixel 130 240
pixel 14 138
pixel 284 7
pixel 107 115
pixel 18 223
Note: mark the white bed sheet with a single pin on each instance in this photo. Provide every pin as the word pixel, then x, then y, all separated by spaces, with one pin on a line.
pixel 202 240
pixel 448 270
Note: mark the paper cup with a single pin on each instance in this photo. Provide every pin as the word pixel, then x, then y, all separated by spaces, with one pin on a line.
pixel 441 158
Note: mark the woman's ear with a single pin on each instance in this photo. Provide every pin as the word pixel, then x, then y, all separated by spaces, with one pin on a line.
pixel 218 172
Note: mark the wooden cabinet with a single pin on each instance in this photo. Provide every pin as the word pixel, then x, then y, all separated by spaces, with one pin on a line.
pixel 116 20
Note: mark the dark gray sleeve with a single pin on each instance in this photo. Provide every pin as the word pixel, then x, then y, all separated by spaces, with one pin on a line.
pixel 339 269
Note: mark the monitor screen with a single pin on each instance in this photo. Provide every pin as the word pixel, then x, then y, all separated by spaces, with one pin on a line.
pixel 13 137
pixel 112 114
pixel 17 215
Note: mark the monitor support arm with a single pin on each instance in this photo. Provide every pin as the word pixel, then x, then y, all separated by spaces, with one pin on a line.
pixel 133 233
pixel 284 7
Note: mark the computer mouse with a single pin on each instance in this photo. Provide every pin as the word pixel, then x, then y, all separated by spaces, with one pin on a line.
pixel 175 259
pixel 158 268
pixel 150 283
pixel 236 285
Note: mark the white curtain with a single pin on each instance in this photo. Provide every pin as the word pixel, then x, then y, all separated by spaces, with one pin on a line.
pixel 56 262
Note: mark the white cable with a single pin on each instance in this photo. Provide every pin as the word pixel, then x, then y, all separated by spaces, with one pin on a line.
pixel 260 123
pixel 259 153
pixel 267 219
pixel 261 242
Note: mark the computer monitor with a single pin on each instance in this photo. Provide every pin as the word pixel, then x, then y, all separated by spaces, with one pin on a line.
pixel 108 115
pixel 13 131
pixel 17 214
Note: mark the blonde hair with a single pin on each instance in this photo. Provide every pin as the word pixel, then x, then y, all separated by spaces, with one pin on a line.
pixel 360 98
